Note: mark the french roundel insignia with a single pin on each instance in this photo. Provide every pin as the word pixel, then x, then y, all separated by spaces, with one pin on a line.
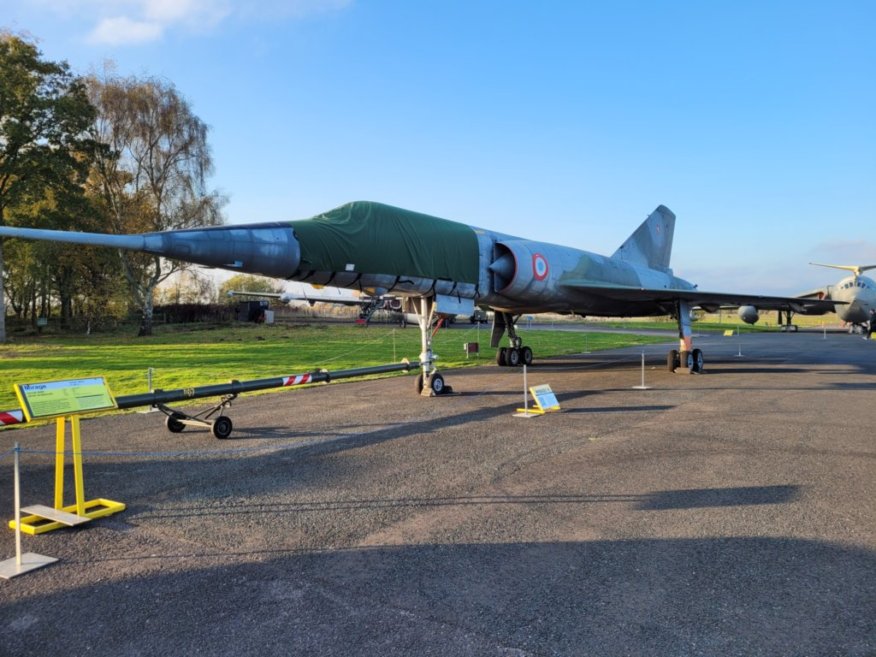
pixel 539 267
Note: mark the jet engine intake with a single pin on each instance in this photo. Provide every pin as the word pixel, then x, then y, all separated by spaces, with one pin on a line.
pixel 518 269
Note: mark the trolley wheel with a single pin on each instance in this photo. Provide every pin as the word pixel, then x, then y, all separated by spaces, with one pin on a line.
pixel 514 357
pixel 174 423
pixel 222 427
pixel 672 360
pixel 502 357
pixel 526 355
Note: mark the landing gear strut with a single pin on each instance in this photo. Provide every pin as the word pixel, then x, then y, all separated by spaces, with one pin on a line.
pixel 686 358
pixel 515 355
pixel 787 326
pixel 429 382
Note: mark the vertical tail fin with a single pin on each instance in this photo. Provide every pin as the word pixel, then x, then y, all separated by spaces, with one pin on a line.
pixel 651 244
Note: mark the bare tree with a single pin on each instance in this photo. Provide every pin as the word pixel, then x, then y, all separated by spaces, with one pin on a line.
pixel 152 176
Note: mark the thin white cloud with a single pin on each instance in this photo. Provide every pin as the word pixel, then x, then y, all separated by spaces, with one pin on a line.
pixel 122 30
pixel 123 22
pixel 271 9
pixel 845 252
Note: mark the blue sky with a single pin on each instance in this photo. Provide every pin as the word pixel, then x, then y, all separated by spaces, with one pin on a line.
pixel 565 122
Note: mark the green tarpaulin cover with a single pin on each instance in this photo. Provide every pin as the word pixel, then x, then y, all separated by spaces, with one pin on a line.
pixel 379 239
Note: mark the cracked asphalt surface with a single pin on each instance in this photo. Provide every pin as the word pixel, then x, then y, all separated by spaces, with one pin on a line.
pixel 728 513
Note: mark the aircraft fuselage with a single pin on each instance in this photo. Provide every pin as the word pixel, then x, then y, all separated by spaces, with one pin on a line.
pixel 859 295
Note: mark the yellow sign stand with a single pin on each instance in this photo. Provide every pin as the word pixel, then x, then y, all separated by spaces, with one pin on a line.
pixel 45 519
pixel 545 400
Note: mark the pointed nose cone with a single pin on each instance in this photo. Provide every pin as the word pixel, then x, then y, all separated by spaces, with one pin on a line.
pixel 267 249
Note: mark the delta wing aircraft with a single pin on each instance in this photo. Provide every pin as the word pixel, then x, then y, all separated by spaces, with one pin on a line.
pixel 441 266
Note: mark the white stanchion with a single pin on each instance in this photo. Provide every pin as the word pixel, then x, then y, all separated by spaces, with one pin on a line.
pixel 21 563
pixel 642 385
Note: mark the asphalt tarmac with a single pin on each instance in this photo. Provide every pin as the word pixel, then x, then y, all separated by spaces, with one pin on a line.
pixel 726 513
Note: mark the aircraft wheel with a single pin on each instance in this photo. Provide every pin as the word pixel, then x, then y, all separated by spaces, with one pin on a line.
pixel 526 355
pixel 672 361
pixel 698 360
pixel 222 427
pixel 174 423
pixel 502 357
pixel 436 383
pixel 418 383
pixel 514 357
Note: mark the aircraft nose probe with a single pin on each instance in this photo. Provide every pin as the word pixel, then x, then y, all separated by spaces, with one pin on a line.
pixel 267 249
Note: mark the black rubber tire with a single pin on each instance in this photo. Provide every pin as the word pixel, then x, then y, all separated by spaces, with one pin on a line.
pixel 418 383
pixel 436 383
pixel 514 357
pixel 526 356
pixel 173 423
pixel 672 360
pixel 222 427
pixel 698 360
pixel 502 357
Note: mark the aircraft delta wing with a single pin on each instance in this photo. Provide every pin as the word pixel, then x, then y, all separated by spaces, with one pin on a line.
pixel 447 267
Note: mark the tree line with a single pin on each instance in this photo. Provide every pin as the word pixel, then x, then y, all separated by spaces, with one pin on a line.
pixel 96 153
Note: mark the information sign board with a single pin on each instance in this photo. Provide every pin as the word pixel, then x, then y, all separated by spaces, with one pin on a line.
pixel 545 398
pixel 59 398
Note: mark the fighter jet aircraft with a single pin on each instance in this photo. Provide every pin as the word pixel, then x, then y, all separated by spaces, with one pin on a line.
pixel 442 266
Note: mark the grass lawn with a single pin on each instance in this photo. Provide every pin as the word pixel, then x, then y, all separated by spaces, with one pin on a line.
pixel 195 355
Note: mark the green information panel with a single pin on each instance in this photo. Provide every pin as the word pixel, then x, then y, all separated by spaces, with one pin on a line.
pixel 59 398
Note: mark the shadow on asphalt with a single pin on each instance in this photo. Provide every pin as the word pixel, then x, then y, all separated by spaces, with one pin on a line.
pixel 719 497
pixel 727 596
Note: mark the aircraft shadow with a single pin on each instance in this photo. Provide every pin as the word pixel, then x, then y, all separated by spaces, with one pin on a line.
pixel 719 497
pixel 733 595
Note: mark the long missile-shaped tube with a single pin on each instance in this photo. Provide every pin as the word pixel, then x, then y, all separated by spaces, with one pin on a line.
pixel 156 397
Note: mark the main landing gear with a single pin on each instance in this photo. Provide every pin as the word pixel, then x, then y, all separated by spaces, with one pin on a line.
pixel 685 358
pixel 515 355
pixel 690 360
pixel 788 326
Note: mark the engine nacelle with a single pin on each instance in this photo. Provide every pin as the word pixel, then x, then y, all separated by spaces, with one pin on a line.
pixel 393 303
pixel 748 314
pixel 519 269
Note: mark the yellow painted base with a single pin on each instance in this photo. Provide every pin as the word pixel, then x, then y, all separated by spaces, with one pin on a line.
pixel 97 508
pixel 532 410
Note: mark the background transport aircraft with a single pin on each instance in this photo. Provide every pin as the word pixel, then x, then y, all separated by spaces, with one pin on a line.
pixel 446 267
pixel 854 296
pixel 368 304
